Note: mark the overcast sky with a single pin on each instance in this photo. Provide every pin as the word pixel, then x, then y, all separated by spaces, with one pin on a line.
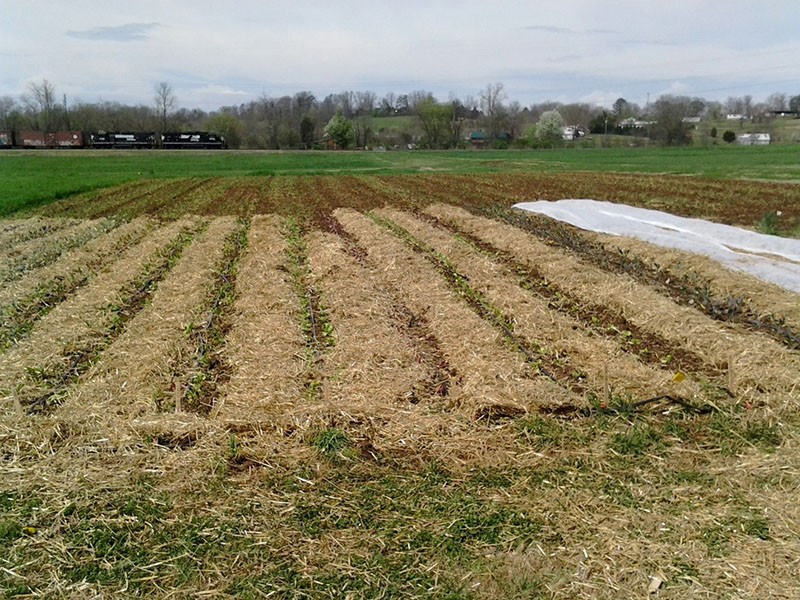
pixel 218 53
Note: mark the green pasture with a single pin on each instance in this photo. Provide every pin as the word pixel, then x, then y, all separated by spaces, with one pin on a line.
pixel 30 179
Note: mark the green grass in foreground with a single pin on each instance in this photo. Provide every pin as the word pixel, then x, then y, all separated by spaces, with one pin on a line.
pixel 32 179
pixel 341 524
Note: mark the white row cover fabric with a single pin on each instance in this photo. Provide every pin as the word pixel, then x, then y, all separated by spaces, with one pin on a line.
pixel 767 257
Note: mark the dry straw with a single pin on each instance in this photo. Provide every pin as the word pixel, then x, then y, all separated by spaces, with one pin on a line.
pixel 265 347
pixel 132 371
pixel 601 362
pixel 764 297
pixel 763 363
pixel 80 321
pixel 77 262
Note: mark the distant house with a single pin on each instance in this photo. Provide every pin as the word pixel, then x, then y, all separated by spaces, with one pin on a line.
pixel 631 122
pixel 734 117
pixel 691 119
pixel 785 114
pixel 754 139
pixel 479 139
pixel 572 132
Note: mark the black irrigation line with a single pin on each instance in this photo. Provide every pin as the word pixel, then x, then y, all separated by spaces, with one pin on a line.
pixel 17 319
pixel 314 321
pixel 650 348
pixel 428 353
pixel 628 408
pixel 484 309
pixel 682 289
pixel 135 297
pixel 208 370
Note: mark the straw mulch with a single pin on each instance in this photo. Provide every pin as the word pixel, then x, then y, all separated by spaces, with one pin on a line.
pixel 78 262
pixel 466 490
pixel 265 346
pixel 606 368
pixel 764 297
pixel 15 231
pixel 756 362
pixel 136 367
pixel 33 253
pixel 77 323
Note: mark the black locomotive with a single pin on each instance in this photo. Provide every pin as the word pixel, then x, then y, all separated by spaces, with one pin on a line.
pixel 202 140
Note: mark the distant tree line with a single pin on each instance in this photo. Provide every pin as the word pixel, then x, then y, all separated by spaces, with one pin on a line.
pixel 350 119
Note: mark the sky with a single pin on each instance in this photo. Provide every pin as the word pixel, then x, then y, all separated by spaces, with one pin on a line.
pixel 224 53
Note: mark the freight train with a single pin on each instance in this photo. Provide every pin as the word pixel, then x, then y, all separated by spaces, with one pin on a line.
pixel 202 140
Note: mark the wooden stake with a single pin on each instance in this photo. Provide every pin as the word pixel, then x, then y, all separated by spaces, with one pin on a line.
pixel 18 407
pixel 731 376
pixel 177 393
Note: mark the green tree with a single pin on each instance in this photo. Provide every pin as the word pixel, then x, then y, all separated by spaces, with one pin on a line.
pixel 340 130
pixel 669 127
pixel 307 128
pixel 435 118
pixel 729 136
pixel 228 126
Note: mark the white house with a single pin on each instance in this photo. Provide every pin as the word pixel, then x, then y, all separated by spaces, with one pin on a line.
pixel 754 139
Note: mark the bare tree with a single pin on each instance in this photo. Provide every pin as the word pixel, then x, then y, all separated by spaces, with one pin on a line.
pixel 777 101
pixel 42 102
pixel 165 101
pixel 491 101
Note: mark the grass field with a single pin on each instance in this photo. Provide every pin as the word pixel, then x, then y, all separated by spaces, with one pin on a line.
pixel 331 380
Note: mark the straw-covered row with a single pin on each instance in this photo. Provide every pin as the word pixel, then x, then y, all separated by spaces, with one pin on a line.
pixel 585 360
pixel 40 251
pixel 754 361
pixel 70 337
pixel 136 369
pixel 766 298
pixel 28 299
pixel 491 372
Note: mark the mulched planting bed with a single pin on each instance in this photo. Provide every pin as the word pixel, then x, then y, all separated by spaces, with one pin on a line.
pixel 392 386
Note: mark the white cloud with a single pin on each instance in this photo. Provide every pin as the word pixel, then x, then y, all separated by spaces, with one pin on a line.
pixel 129 32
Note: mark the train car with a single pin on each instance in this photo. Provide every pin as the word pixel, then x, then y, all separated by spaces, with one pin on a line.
pixel 192 139
pixel 6 139
pixel 56 139
pixel 123 139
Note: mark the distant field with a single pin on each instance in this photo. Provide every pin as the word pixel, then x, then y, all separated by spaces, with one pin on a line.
pixel 32 179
